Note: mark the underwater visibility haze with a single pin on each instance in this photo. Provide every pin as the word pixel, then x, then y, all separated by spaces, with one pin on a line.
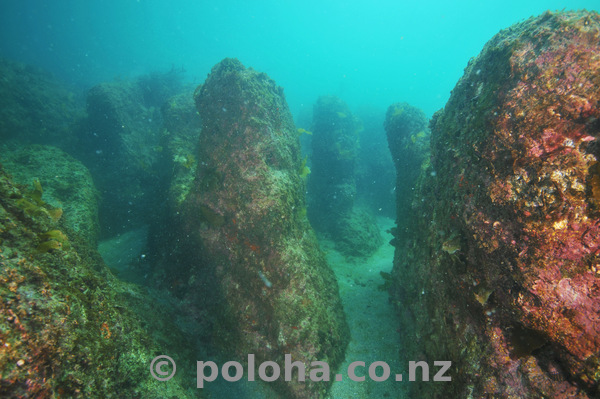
pixel 369 53
pixel 277 199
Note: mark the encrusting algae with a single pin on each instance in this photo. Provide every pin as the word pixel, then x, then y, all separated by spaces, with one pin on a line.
pixel 68 329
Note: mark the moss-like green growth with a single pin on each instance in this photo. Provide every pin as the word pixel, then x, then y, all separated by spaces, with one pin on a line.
pixel 67 327
pixel 37 207
pixel 62 187
pixel 53 239
pixel 35 107
pixel 48 246
pixel 37 192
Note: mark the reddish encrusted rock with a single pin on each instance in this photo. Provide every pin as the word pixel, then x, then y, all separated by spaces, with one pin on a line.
pixel 246 217
pixel 511 292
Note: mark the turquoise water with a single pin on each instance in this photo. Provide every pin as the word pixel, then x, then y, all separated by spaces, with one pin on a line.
pixel 369 55
pixel 375 53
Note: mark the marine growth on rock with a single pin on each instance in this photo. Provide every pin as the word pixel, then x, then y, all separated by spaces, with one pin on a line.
pixel 245 217
pixel 511 217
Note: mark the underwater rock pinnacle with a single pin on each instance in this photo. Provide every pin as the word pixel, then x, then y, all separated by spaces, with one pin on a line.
pixel 246 213
pixel 516 192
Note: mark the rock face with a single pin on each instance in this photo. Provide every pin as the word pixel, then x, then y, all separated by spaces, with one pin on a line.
pixel 35 107
pixel 332 182
pixel 182 127
pixel 121 145
pixel 503 278
pixel 179 143
pixel 68 328
pixel 334 153
pixel 65 183
pixel 246 218
pixel 408 139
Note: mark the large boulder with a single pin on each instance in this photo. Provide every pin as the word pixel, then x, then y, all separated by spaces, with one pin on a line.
pixel 180 139
pixel 334 153
pixel 68 328
pixel 122 144
pixel 64 183
pixel 35 107
pixel 255 254
pixel 182 127
pixel 503 274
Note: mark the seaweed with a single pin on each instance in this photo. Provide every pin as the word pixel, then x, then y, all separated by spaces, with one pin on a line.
pixel 304 170
pixel 53 239
pixel 37 206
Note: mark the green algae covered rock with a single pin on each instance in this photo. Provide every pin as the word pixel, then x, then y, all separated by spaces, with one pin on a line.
pixel 68 328
pixel 65 182
pixel 246 219
pixel 502 277
pixel 35 107
pixel 361 236
pixel 181 131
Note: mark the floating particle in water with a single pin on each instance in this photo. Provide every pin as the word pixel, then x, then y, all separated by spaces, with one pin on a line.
pixel 264 279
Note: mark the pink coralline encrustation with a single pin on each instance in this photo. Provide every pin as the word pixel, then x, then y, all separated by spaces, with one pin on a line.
pixel 517 183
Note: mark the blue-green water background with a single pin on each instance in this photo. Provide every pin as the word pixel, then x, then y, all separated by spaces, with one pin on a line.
pixel 368 53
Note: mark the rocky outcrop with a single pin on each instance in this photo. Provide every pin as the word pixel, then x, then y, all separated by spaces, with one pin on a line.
pixel 65 183
pixel 35 107
pixel 182 127
pixel 122 144
pixel 181 135
pixel 255 253
pixel 68 328
pixel 502 277
pixel 408 139
pixel 332 182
